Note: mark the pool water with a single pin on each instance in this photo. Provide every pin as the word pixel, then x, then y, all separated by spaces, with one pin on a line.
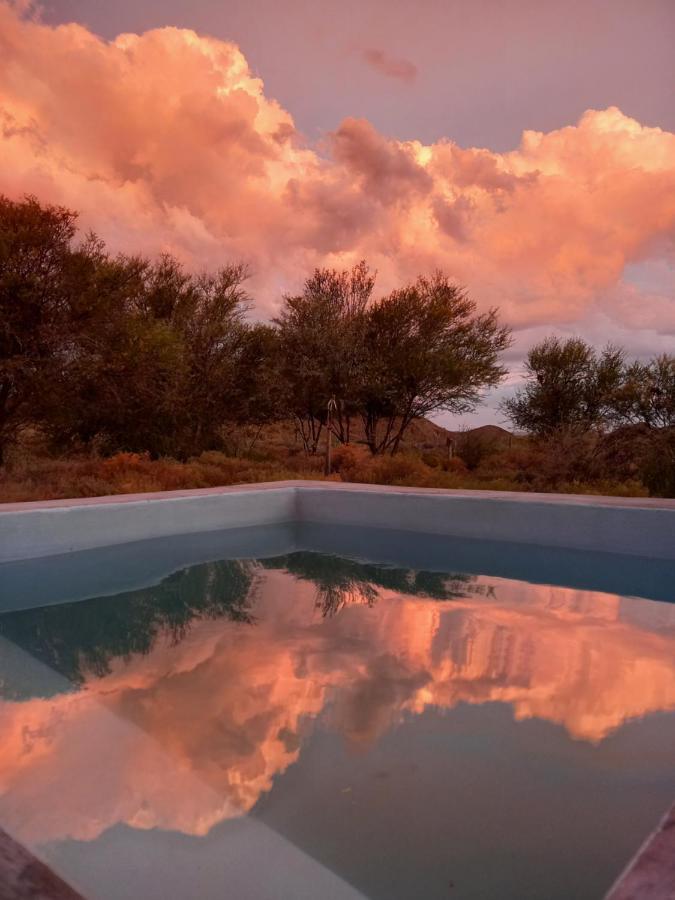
pixel 185 719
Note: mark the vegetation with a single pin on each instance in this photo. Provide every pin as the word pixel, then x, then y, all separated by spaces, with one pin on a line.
pixel 595 416
pixel 121 373
pixel 125 354
pixel 568 386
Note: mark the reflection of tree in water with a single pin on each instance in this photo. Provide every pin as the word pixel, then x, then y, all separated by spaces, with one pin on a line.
pixel 77 639
pixel 81 639
pixel 341 582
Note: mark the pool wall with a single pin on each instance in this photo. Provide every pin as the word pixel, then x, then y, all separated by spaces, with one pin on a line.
pixel 615 525
pixel 630 526
pixel 29 530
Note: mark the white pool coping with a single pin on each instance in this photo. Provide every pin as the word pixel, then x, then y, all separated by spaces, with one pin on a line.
pixel 633 526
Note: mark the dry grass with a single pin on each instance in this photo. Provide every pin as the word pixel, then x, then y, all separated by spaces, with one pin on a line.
pixel 30 475
pixel 42 478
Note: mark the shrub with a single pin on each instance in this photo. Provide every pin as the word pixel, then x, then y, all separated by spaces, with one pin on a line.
pixel 348 457
pixel 473 448
pixel 658 465
pixel 401 469
pixel 432 459
pixel 454 465
pixel 566 466
pixel 122 462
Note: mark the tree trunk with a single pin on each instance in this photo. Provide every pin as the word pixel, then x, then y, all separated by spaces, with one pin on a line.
pixel 370 431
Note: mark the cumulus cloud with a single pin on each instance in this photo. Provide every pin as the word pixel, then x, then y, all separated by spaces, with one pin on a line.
pixel 390 66
pixel 166 141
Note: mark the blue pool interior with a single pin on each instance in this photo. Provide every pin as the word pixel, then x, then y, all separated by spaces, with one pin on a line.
pixel 322 711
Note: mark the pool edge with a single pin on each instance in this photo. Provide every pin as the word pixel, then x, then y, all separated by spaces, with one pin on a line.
pixel 650 875
pixel 631 526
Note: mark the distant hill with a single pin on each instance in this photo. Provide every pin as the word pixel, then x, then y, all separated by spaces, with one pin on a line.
pixel 425 434
pixel 422 434
pixel 491 432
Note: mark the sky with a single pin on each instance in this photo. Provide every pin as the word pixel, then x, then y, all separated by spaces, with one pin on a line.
pixel 526 148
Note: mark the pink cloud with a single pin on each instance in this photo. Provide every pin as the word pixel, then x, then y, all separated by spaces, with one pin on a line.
pixel 166 141
pixel 390 66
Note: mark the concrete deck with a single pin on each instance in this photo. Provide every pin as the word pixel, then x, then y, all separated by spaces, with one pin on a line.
pixel 651 874
pixel 23 877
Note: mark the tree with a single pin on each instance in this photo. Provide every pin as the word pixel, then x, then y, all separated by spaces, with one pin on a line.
pixel 125 353
pixel 473 446
pixel 38 308
pixel 427 350
pixel 568 385
pixel 322 334
pixel 657 468
pixel 210 322
pixel 645 408
pixel 647 394
pixel 259 393
pixel 157 368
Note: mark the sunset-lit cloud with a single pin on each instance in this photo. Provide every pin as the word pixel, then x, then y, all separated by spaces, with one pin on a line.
pixel 166 141
pixel 390 66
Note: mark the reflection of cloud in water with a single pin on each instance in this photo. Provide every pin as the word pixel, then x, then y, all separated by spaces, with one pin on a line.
pixel 230 703
pixel 79 640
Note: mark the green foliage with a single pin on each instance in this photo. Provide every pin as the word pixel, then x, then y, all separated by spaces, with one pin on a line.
pixel 568 385
pixel 158 368
pixel 647 393
pixel 322 337
pixel 473 448
pixel 597 417
pixel 120 352
pixel 126 354
pixel 429 351
pixel 419 350
pixel 39 287
pixel 657 468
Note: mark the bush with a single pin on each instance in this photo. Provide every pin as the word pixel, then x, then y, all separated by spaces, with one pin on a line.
pixel 432 459
pixel 37 478
pixel 348 457
pixel 566 466
pixel 455 466
pixel 473 448
pixel 658 465
pixel 401 469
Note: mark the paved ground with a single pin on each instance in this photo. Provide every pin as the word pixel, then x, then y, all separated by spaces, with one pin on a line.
pixel 23 877
pixel 651 875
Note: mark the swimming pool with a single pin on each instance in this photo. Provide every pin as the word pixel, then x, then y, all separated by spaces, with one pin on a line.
pixel 314 710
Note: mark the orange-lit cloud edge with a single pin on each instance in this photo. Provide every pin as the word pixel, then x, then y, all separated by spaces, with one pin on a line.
pixel 166 141
pixel 130 747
